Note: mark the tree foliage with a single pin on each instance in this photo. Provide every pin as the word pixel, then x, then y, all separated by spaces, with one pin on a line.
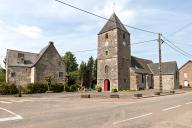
pixel 87 72
pixel 70 62
pixel 2 75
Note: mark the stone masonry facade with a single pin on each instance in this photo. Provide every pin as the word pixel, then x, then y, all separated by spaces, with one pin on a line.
pixel 23 68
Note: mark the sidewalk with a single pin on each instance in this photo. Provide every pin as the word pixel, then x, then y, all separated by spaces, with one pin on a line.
pixel 122 94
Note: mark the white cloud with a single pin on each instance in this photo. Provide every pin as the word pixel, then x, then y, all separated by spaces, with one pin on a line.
pixel 33 32
pixel 126 15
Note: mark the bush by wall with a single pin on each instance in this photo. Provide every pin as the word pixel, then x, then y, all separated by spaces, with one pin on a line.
pixel 7 89
pixel 98 88
pixel 114 89
pixel 36 88
pixel 57 87
pixel 73 88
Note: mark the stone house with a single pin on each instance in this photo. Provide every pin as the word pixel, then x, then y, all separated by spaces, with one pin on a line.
pixel 170 75
pixel 116 68
pixel 25 67
pixel 140 74
pixel 185 74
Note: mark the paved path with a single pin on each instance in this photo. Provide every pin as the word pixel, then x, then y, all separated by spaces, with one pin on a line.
pixel 173 111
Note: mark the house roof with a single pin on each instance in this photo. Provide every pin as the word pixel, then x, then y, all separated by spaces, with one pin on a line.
pixel 190 61
pixel 12 55
pixel 30 59
pixel 140 65
pixel 167 68
pixel 112 23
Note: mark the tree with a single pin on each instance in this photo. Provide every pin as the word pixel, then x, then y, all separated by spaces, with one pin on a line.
pixel 73 78
pixel 90 65
pixel 82 73
pixel 70 62
pixel 2 74
pixel 94 82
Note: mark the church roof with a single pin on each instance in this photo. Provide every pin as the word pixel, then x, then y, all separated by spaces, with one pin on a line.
pixel 167 68
pixel 140 65
pixel 113 23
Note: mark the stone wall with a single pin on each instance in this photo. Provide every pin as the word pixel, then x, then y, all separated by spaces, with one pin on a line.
pixel 19 75
pixel 187 68
pixel 111 52
pixel 169 82
pixel 50 64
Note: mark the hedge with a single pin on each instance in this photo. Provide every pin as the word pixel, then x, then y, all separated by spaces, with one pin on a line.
pixel 8 89
pixel 36 88
pixel 58 87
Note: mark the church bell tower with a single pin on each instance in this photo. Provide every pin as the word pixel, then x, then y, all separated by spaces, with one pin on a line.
pixel 114 56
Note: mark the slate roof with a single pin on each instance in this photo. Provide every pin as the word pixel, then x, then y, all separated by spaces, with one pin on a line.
pixel 30 59
pixel 140 65
pixel 112 23
pixel 168 68
pixel 190 61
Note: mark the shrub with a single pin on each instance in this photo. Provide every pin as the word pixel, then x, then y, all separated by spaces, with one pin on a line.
pixel 73 88
pixel 114 89
pixel 98 88
pixel 6 89
pixel 36 88
pixel 58 87
pixel 66 88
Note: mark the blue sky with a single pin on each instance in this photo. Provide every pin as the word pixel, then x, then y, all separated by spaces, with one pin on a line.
pixel 29 25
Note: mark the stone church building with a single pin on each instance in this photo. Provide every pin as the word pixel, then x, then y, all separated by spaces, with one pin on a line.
pixel 25 67
pixel 116 67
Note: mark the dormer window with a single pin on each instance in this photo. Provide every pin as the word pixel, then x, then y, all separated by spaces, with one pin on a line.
pixel 20 58
pixel 20 55
pixel 106 36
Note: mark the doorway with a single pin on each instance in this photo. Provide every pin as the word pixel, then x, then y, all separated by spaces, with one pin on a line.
pixel 186 83
pixel 106 85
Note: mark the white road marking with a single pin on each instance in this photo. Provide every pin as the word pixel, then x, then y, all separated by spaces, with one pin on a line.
pixel 117 122
pixel 188 103
pixel 16 116
pixel 5 102
pixel 129 102
pixel 18 101
pixel 166 109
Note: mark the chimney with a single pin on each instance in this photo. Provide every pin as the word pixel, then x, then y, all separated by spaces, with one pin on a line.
pixel 51 42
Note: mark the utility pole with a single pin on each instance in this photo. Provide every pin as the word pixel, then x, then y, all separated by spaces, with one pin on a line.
pixel 160 64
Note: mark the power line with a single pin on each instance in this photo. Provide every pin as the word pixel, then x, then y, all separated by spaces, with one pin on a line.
pixel 89 50
pixel 180 29
pixel 85 11
pixel 186 53
pixel 177 50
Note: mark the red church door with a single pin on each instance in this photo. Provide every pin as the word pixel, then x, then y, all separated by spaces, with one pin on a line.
pixel 106 85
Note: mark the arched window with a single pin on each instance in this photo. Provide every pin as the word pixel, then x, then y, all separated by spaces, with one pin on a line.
pixel 106 69
pixel 106 36
pixel 106 53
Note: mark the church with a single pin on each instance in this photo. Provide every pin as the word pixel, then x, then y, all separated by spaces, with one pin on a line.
pixel 117 68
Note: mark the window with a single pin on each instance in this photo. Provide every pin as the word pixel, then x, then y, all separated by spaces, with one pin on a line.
pixel 123 35
pixel 13 74
pixel 106 53
pixel 61 75
pixel 106 69
pixel 143 78
pixel 59 63
pixel 185 75
pixel 20 55
pixel 106 36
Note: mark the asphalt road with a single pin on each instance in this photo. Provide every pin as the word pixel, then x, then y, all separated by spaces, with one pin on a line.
pixel 173 111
